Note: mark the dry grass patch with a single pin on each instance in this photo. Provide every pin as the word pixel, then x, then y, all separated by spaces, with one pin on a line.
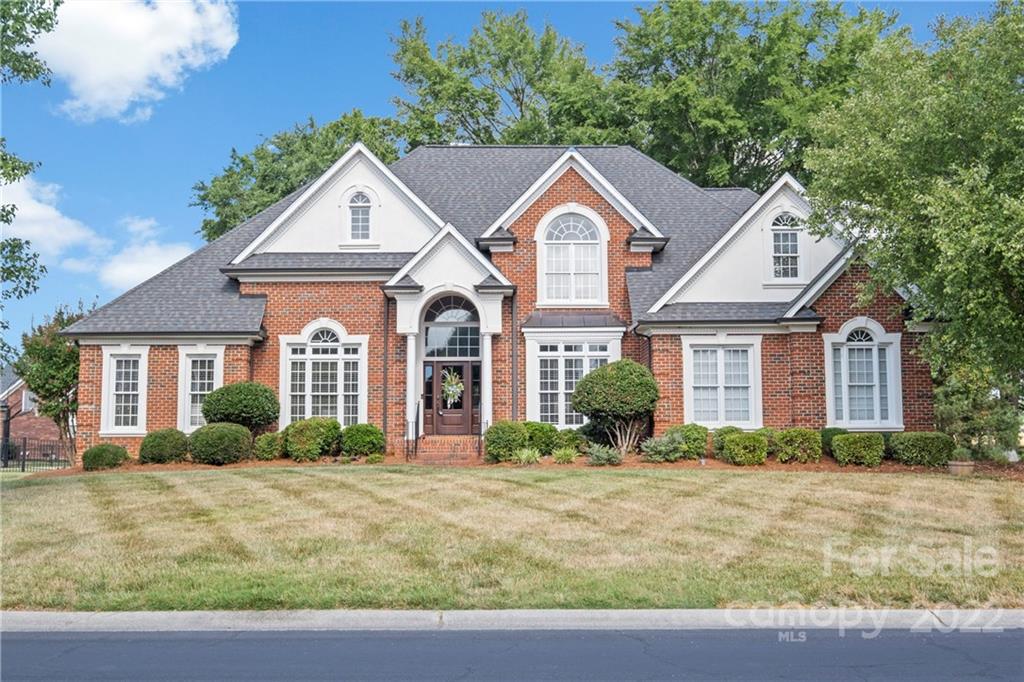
pixel 413 537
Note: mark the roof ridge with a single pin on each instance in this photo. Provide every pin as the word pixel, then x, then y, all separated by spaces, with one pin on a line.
pixel 677 176
pixel 518 146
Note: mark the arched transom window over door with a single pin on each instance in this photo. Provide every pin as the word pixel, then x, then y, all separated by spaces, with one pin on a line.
pixel 572 261
pixel 452 329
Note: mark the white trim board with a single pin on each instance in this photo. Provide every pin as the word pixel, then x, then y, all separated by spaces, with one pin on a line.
pixel 107 428
pixel 185 355
pixel 720 341
pixel 448 230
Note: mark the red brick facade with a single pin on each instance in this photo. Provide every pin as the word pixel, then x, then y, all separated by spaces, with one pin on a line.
pixel 26 423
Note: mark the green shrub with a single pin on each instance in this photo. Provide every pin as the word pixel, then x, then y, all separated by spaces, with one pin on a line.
pixel 827 434
pixel 307 440
pixel 165 445
pixel 771 435
pixel 104 456
pixel 929 448
pixel 594 432
pixel 621 396
pixel 526 456
pixel 564 455
pixel 362 440
pixel 542 437
pixel 744 449
pixel 221 443
pixel 375 458
pixel 663 449
pixel 572 439
pixel 797 445
pixel 981 417
pixel 503 439
pixel 718 439
pixel 603 455
pixel 250 404
pixel 691 439
pixel 865 449
pixel 268 446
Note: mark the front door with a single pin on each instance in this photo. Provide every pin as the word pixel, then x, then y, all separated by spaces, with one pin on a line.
pixel 455 411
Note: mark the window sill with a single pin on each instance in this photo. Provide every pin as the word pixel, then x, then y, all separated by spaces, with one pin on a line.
pixel 570 304
pixel 867 428
pixel 122 434
pixel 361 246
pixel 784 284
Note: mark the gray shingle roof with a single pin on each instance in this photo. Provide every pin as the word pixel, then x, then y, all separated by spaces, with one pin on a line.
pixel 757 312
pixel 341 262
pixel 7 377
pixel 584 318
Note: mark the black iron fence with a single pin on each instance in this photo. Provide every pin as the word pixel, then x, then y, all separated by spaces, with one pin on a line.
pixel 34 454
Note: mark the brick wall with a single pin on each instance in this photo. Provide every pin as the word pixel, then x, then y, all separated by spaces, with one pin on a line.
pixel 28 424
pixel 520 266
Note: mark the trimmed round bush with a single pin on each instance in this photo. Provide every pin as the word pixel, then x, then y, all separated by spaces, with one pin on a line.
pixel 594 432
pixel 745 449
pixel 221 443
pixel 827 434
pixel 564 455
pixel 718 439
pixel 621 396
pixel 572 439
pixel 307 440
pixel 526 456
pixel 503 439
pixel 104 456
pixel 797 445
pixel 928 448
pixel 542 437
pixel 248 403
pixel 268 446
pixel 165 445
pixel 603 455
pixel 362 440
pixel 771 435
pixel 864 449
pixel 691 440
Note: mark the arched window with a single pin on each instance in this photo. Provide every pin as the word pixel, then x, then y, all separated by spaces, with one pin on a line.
pixel 864 381
pixel 452 329
pixel 571 260
pixel 325 373
pixel 359 212
pixel 786 246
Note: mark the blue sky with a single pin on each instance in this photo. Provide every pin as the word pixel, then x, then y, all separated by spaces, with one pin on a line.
pixel 143 107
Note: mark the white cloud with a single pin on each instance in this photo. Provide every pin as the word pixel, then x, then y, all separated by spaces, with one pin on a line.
pixel 40 221
pixel 138 262
pixel 120 56
pixel 140 228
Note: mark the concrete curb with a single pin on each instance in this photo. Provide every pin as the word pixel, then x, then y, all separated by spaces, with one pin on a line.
pixel 920 620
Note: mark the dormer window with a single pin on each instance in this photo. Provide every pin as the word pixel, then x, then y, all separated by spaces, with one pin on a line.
pixel 786 246
pixel 571 261
pixel 359 217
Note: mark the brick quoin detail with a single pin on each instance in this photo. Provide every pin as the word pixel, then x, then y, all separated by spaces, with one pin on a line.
pixel 520 266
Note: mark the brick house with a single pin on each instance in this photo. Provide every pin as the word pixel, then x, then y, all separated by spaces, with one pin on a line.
pixel 513 270
pixel 19 411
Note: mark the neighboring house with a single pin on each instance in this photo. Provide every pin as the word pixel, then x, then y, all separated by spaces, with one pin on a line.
pixel 514 270
pixel 18 409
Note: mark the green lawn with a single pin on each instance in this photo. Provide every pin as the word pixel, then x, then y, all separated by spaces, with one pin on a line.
pixel 419 537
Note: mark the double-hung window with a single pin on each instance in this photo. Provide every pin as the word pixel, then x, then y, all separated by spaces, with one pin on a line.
pixel 123 405
pixel 560 367
pixel 862 378
pixel 571 262
pixel 200 372
pixel 359 217
pixel 786 247
pixel 325 378
pixel 722 384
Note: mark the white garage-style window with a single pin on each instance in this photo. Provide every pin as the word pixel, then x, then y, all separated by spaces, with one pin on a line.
pixel 200 372
pixel 324 374
pixel 125 383
pixel 572 258
pixel 359 216
pixel 862 377
pixel 722 381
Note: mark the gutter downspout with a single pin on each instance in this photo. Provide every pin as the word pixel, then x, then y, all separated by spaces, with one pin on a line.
pixel 387 336
pixel 515 359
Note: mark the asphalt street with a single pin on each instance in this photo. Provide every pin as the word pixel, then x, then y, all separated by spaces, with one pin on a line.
pixel 513 655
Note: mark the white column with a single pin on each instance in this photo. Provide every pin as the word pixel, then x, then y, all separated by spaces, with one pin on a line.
pixel 410 385
pixel 486 387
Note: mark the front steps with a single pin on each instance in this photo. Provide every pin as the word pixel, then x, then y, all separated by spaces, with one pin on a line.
pixel 448 450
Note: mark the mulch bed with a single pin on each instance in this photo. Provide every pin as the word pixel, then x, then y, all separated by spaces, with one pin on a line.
pixel 1013 471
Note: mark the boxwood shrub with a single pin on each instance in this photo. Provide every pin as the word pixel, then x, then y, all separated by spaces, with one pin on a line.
pixel 362 440
pixel 248 403
pixel 929 448
pixel 503 439
pixel 603 455
pixel 692 440
pixel 104 456
pixel 268 446
pixel 542 437
pixel 864 449
pixel 771 435
pixel 307 440
pixel 744 449
pixel 827 434
pixel 165 445
pixel 570 438
pixel 221 443
pixel 797 445
pixel 719 436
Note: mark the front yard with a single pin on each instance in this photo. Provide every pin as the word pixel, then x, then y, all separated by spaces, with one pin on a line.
pixel 417 537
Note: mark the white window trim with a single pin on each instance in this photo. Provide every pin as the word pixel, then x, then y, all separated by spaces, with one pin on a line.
pixel 894 378
pixel 185 356
pixel 107 427
pixel 286 341
pixel 536 337
pixel 753 344
pixel 803 243
pixel 346 243
pixel 539 237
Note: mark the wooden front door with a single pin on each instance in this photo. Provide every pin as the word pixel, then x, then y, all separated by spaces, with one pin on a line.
pixel 460 416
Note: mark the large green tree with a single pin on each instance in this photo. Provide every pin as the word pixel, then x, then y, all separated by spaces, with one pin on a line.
pixel 282 163
pixel 506 84
pixel 924 167
pixel 723 92
pixel 21 22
